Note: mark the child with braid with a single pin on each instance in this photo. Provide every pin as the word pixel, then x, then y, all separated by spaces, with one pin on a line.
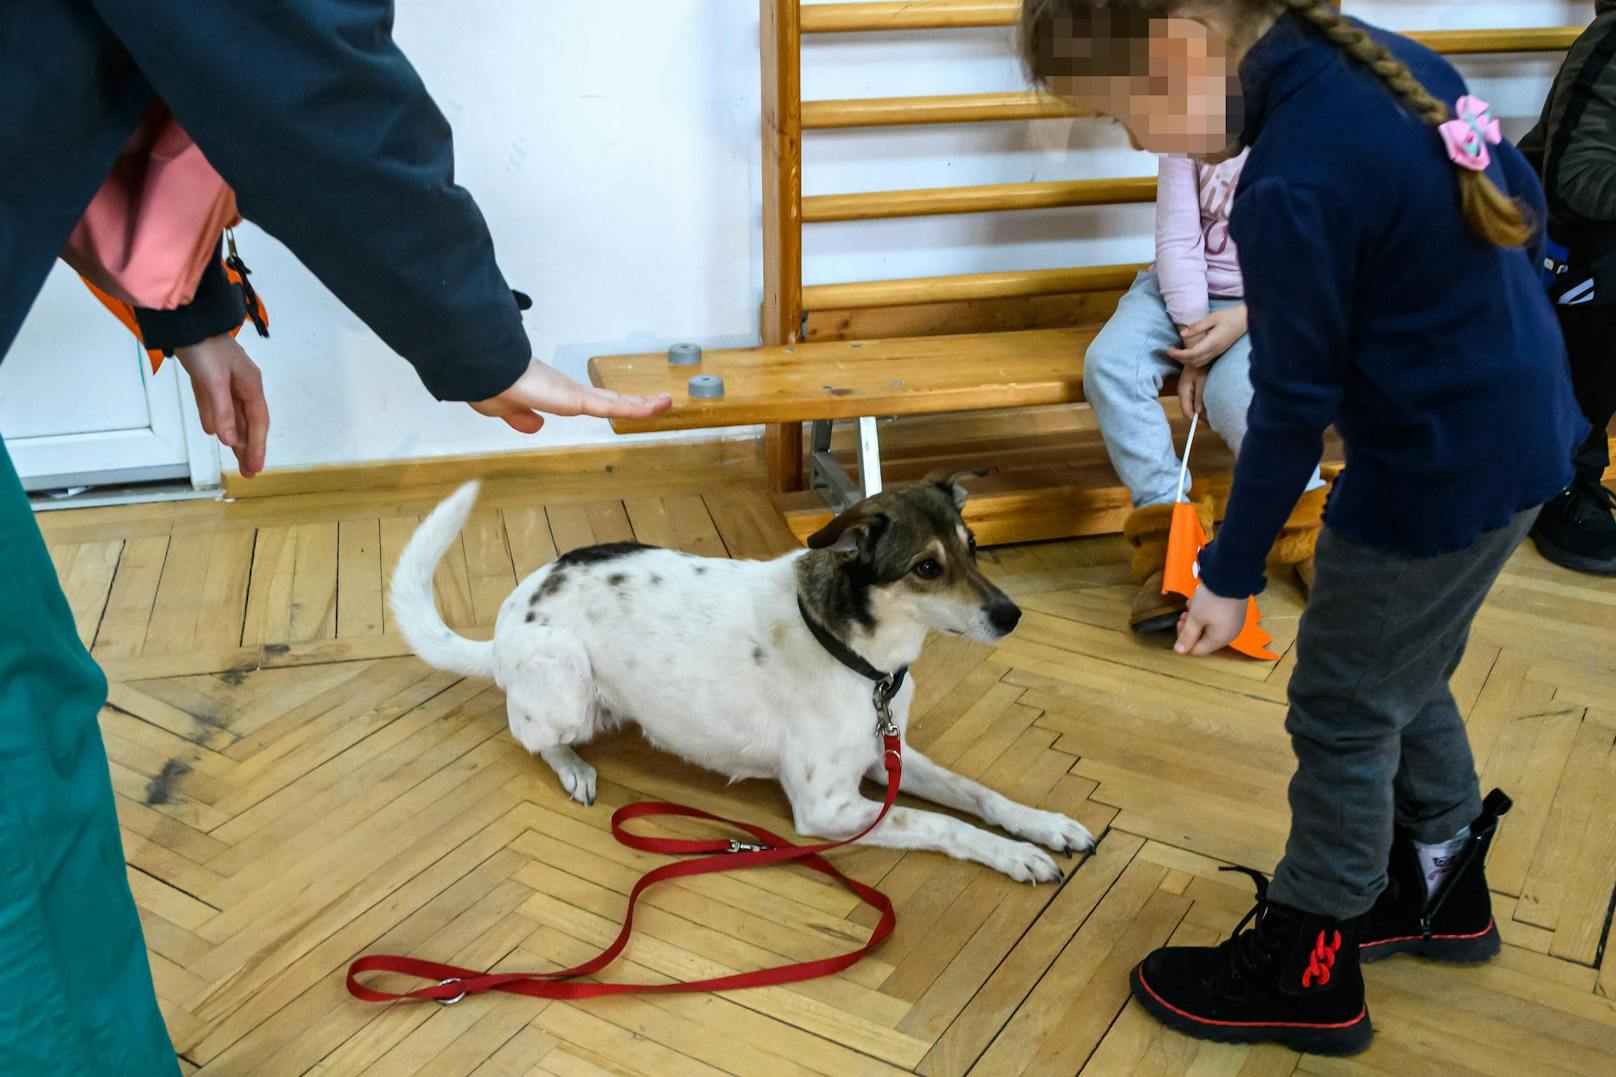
pixel 1389 247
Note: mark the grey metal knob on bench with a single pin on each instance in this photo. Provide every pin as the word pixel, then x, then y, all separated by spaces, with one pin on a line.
pixel 706 387
pixel 684 355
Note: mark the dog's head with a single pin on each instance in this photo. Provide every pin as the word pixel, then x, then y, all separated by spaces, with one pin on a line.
pixel 907 555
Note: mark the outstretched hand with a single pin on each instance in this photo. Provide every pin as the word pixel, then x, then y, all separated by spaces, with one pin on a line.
pixel 229 397
pixel 544 389
pixel 1210 623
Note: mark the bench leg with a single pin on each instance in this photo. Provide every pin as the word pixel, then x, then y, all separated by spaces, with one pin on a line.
pixel 831 479
pixel 824 473
pixel 782 455
pixel 869 457
pixel 819 432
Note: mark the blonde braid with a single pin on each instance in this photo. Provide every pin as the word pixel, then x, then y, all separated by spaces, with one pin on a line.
pixel 1489 212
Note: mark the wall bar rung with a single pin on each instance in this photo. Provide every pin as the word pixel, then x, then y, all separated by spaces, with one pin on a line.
pixel 992 198
pixel 1005 285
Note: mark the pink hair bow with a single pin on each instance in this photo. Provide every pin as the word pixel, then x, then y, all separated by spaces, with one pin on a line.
pixel 1467 136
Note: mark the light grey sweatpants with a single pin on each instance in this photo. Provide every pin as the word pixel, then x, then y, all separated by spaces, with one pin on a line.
pixel 1378 737
pixel 1123 374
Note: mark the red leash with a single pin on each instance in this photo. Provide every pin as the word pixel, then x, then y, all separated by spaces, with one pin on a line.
pixel 451 984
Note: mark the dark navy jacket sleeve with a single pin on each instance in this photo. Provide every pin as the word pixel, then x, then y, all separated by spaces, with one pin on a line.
pixel 328 136
pixel 1298 252
pixel 217 307
pixel 1522 184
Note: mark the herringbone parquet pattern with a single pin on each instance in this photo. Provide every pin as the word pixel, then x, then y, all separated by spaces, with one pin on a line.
pixel 295 790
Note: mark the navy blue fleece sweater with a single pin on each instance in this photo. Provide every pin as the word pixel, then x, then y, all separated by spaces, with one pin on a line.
pixel 1372 307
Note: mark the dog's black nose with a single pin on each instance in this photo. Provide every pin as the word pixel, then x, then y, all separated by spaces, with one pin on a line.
pixel 1004 616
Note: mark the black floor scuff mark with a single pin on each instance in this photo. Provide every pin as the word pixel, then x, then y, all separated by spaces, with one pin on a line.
pixel 161 788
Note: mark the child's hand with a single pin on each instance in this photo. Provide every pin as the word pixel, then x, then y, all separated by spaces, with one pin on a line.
pixel 229 397
pixel 1210 337
pixel 1192 390
pixel 1210 622
pixel 545 389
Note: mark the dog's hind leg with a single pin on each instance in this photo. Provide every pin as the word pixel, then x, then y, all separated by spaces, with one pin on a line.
pixel 551 707
pixel 839 810
pixel 924 778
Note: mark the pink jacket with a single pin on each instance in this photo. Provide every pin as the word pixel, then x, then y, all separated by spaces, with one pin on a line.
pixel 156 221
pixel 1195 258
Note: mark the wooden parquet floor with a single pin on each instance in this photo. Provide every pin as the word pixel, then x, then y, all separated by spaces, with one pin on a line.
pixel 295 789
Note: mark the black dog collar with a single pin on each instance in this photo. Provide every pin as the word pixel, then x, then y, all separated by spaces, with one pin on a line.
pixel 887 685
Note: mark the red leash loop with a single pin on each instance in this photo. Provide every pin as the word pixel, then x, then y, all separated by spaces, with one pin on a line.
pixel 449 984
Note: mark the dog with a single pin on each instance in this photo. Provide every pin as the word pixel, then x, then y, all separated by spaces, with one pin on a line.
pixel 753 669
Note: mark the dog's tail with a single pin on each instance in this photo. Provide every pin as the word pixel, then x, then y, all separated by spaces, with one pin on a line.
pixel 413 607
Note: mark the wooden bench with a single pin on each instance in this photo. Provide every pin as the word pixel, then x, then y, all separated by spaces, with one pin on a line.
pixel 822 382
pixel 936 346
pixel 851 379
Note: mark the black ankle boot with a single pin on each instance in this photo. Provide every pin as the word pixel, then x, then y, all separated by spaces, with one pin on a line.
pixel 1456 923
pixel 1292 979
pixel 1577 530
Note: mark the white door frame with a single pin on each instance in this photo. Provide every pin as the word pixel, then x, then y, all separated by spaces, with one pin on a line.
pixel 202 450
pixel 172 446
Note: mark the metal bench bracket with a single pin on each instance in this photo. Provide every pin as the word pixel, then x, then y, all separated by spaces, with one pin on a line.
pixel 831 479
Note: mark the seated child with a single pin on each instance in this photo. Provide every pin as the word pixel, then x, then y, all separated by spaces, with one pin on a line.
pixel 1184 316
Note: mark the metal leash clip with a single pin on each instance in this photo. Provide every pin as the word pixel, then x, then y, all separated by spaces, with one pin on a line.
pixel 745 847
pixel 885 689
pixel 449 1001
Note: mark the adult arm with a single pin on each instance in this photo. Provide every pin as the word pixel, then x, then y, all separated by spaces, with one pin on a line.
pixel 216 307
pixel 226 382
pixel 311 113
pixel 1585 176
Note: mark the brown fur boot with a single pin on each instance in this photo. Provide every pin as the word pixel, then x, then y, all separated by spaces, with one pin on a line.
pixel 1146 531
pixel 1300 535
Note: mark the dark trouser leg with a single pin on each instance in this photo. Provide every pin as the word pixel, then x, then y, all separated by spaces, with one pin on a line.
pixel 82 1001
pixel 1379 639
pixel 1429 746
pixel 1590 334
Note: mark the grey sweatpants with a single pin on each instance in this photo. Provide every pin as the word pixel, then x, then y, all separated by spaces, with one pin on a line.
pixel 1377 734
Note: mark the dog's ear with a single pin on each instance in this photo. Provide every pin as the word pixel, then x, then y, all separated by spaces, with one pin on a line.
pixel 852 543
pixel 951 481
pixel 850 535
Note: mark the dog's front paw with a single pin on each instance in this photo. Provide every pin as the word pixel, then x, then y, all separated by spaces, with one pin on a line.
pixel 1027 863
pixel 579 783
pixel 577 777
pixel 1053 831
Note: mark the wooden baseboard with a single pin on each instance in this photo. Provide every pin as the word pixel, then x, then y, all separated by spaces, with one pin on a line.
pixel 1034 506
pixel 1007 516
pixel 613 458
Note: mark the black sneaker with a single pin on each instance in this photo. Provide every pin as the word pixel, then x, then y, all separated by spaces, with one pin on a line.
pixel 1456 923
pixel 1577 530
pixel 1292 979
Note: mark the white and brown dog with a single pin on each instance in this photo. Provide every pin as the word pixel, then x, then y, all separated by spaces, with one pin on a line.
pixel 722 662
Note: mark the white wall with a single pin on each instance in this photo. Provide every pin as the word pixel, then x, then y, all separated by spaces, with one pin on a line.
pixel 614 149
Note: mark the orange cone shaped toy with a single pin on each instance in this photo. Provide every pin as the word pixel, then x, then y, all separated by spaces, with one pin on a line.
pixel 1185 539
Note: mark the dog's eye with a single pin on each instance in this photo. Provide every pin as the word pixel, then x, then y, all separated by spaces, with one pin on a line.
pixel 928 569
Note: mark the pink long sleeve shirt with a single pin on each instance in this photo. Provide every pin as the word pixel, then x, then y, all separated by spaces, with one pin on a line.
pixel 1195 258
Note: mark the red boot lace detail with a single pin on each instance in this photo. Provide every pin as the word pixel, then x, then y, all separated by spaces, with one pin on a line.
pixel 1321 960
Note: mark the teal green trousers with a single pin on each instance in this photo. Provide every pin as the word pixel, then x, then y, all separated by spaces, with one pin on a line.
pixel 77 994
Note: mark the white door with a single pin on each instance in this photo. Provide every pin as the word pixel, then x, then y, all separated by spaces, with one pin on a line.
pixel 79 405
